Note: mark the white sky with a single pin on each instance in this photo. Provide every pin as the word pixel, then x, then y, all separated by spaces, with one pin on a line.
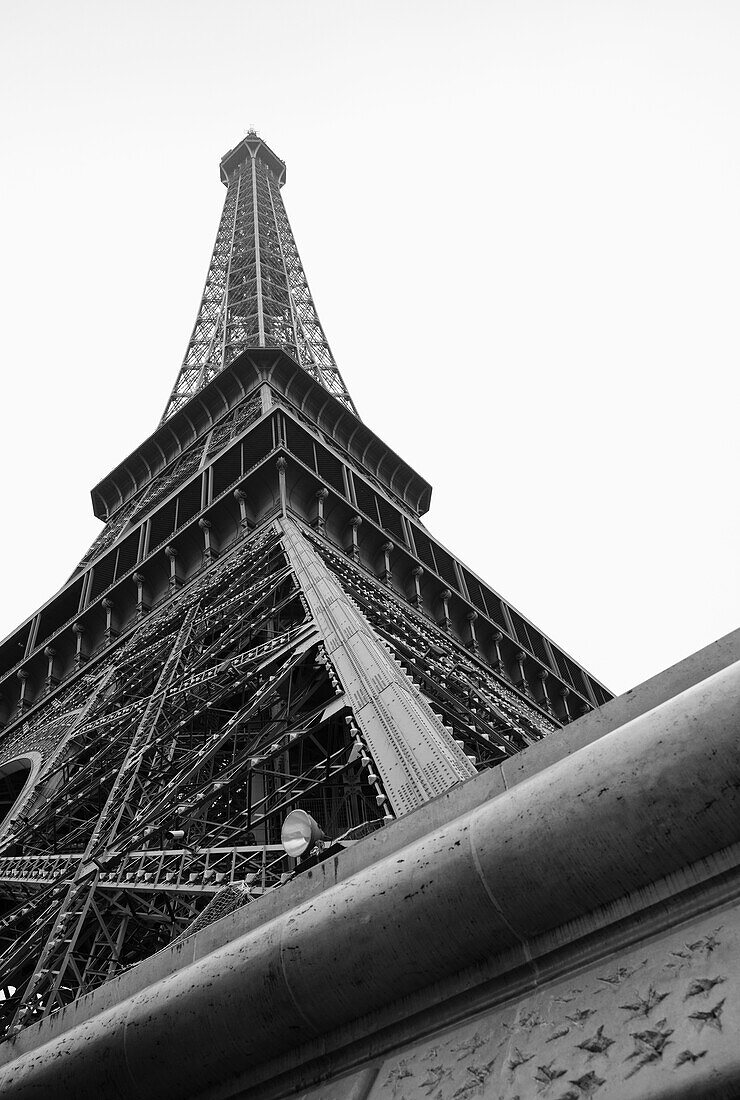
pixel 521 227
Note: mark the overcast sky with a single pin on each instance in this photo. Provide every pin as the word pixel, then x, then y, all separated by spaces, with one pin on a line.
pixel 520 223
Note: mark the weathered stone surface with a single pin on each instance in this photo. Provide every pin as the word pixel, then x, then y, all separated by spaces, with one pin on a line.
pixel 660 1020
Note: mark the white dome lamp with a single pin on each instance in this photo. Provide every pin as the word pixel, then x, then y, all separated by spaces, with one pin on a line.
pixel 301 834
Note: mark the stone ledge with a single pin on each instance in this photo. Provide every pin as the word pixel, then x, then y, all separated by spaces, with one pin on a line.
pixel 574 848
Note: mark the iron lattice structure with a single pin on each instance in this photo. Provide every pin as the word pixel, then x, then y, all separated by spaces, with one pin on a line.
pixel 264 623
pixel 256 293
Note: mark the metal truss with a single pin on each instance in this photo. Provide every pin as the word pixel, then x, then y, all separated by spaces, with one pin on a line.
pixel 256 294
pixel 484 717
pixel 181 750
pixel 198 736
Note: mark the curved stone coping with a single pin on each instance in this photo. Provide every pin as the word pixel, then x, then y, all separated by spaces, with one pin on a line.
pixel 636 806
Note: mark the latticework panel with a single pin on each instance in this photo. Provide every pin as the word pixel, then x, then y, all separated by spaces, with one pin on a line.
pixel 169 768
pixel 481 711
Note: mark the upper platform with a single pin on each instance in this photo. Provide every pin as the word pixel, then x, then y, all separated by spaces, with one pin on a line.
pixel 252 146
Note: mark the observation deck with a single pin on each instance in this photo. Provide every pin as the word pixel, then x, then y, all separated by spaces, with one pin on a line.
pixel 252 146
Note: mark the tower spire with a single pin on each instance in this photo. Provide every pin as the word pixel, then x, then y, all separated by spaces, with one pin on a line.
pixel 256 293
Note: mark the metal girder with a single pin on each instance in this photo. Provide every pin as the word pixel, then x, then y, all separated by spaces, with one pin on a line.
pixel 417 758
pixel 174 870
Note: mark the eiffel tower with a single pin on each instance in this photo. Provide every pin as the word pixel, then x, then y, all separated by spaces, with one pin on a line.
pixel 264 623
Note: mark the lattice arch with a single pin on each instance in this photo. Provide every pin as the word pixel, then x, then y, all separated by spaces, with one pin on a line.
pixel 17 777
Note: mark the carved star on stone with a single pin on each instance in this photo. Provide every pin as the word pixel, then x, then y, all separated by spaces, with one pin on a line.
pixel 702 986
pixel 706 944
pixel 580 1016
pixel 649 1045
pixel 397 1074
pixel 530 1020
pixel 470 1046
pixel 598 1043
pixel 545 1075
pixel 689 1056
pixel 518 1059
pixel 654 1038
pixel 711 1018
pixel 643 1006
pixel 434 1075
pixel 618 976
pixel 480 1074
pixel 589 1083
